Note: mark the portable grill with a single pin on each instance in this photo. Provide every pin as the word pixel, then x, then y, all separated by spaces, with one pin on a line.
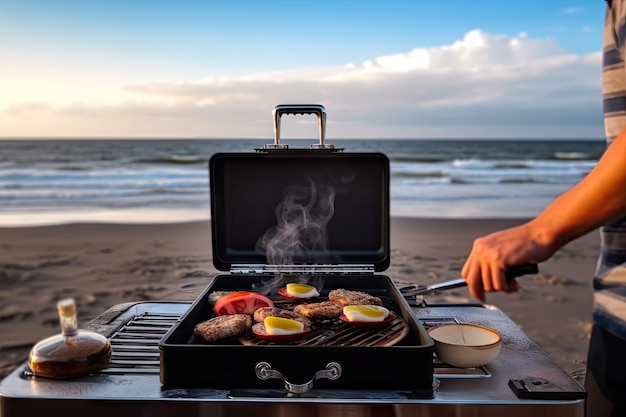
pixel 158 369
pixel 317 216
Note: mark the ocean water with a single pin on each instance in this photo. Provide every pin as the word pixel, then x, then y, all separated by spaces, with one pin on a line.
pixel 61 181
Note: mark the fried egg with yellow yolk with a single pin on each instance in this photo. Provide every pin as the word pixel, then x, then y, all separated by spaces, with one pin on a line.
pixel 301 291
pixel 370 313
pixel 281 326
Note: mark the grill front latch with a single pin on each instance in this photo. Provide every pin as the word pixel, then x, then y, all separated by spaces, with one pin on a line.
pixel 264 371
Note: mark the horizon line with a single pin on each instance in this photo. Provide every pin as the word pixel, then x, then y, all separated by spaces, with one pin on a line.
pixel 290 139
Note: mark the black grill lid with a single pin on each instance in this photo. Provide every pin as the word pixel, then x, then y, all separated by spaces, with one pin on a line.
pixel 300 207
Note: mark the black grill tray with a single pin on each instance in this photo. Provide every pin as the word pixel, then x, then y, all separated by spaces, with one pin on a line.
pixel 187 362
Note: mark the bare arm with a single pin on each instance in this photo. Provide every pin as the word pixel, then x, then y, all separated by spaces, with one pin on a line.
pixel 596 199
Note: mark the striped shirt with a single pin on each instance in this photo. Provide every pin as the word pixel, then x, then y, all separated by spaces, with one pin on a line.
pixel 609 283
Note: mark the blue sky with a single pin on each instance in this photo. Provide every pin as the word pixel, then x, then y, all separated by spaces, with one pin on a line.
pixel 382 69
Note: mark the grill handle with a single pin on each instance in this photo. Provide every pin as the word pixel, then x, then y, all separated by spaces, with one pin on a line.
pixel 316 109
pixel 264 371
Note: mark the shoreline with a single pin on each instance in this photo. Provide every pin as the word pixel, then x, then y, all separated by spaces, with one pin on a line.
pixel 135 216
pixel 104 264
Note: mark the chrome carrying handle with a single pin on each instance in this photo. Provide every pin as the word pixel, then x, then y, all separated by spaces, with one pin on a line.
pixel 316 109
pixel 264 371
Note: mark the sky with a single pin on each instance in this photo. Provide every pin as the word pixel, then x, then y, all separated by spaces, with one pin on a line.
pixel 382 69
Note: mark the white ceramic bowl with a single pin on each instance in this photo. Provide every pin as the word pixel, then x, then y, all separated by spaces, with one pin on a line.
pixel 466 345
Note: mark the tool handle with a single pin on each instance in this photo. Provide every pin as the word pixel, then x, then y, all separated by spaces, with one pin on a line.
pixel 510 273
pixel 519 270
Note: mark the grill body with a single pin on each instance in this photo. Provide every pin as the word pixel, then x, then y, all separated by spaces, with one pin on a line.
pixel 405 364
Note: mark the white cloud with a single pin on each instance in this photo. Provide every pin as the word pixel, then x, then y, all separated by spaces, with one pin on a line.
pixel 480 86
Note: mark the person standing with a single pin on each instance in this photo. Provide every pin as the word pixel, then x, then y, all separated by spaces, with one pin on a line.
pixel 597 201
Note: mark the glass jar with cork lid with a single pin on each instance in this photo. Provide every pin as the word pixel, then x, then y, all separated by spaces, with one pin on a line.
pixel 74 352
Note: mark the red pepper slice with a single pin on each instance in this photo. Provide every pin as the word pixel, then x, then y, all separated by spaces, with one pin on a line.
pixel 241 302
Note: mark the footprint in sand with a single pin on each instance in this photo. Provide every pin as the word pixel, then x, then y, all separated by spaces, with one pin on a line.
pixel 18 267
pixel 100 294
pixel 553 280
pixel 56 262
pixel 455 267
pixel 194 274
pixel 554 298
pixel 423 258
pixel 12 312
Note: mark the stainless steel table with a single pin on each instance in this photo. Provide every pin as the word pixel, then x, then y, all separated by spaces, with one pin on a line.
pixel 130 385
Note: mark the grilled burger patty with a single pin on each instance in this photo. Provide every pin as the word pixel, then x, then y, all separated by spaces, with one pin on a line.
pixel 221 327
pixel 347 297
pixel 325 310
pixel 262 312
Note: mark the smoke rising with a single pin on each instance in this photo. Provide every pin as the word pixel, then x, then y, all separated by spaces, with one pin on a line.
pixel 300 233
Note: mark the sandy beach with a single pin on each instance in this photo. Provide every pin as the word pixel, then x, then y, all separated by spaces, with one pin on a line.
pixel 102 265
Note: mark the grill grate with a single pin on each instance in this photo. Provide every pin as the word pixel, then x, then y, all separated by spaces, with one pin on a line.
pixel 339 333
pixel 135 346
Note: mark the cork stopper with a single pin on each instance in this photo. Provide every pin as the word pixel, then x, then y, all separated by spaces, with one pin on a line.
pixel 67 316
pixel 67 307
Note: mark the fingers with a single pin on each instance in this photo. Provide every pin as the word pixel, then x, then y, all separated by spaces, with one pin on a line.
pixel 486 273
pixel 483 277
pixel 496 275
pixel 471 274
